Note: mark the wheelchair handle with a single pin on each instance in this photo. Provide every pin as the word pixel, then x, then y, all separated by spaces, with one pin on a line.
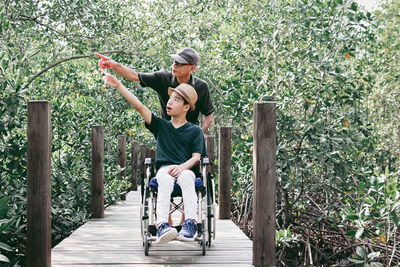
pixel 148 161
pixel 205 161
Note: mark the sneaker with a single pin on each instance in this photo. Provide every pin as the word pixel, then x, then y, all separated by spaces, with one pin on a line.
pixel 165 233
pixel 188 231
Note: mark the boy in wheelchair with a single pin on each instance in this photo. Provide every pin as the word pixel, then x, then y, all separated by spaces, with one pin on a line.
pixel 180 145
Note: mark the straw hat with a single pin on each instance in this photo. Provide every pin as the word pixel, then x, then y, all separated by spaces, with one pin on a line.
pixel 187 92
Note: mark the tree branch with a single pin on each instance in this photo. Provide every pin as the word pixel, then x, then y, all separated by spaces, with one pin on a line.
pixel 71 58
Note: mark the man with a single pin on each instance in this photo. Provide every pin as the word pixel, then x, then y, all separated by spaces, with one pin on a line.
pixel 186 61
pixel 180 144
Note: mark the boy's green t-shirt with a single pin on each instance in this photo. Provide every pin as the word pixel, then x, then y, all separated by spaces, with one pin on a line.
pixel 175 146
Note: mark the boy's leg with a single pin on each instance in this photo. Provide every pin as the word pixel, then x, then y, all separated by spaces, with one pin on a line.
pixel 186 182
pixel 165 188
pixel 165 182
pixel 189 228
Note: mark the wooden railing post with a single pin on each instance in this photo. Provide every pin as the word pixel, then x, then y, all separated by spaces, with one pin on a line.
pixel 134 164
pixel 122 159
pixel 153 155
pixel 141 168
pixel 224 164
pixel 38 247
pixel 210 153
pixel 97 184
pixel 264 187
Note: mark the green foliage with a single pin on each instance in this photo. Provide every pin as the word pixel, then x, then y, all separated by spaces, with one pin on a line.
pixel 4 224
pixel 364 260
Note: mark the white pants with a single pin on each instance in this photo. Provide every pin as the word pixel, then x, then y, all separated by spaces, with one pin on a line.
pixel 165 187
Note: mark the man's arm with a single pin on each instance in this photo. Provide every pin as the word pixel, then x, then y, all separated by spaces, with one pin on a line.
pixel 206 122
pixel 176 170
pixel 132 99
pixel 127 73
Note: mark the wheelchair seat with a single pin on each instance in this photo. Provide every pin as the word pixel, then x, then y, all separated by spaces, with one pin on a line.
pixel 177 192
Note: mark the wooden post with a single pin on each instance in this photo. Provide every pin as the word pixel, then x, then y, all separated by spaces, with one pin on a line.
pixel 142 157
pixel 224 173
pixel 210 153
pixel 38 246
pixel 153 155
pixel 148 152
pixel 122 160
pixel 264 187
pixel 134 164
pixel 122 155
pixel 97 184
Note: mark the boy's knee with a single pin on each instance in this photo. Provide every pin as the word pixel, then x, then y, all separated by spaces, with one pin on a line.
pixel 188 173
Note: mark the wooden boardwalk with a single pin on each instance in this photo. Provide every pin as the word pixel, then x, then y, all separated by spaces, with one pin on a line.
pixel 116 241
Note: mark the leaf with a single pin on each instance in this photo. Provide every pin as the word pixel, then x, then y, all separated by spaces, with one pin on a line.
pixel 4 259
pixel 356 260
pixel 5 247
pixel 3 201
pixel 376 264
pixel 351 233
pixel 394 217
pixel 373 255
pixel 360 231
pixel 361 252
pixel 352 217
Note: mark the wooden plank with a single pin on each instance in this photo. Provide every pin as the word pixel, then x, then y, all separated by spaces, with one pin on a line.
pixel 97 184
pixel 116 241
pixel 264 192
pixel 38 251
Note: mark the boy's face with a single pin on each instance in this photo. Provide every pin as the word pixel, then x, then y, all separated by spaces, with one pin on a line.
pixel 176 106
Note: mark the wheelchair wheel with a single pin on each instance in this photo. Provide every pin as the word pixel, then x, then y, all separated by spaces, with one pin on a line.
pixel 146 245
pixel 203 244
pixel 210 211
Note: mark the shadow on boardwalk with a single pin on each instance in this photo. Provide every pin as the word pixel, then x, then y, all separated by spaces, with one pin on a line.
pixel 116 241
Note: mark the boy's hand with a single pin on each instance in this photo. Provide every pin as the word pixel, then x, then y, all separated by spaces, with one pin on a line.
pixel 105 62
pixel 110 80
pixel 175 170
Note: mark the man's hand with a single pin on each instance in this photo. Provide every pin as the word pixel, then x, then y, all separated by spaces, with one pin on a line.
pixel 105 62
pixel 110 80
pixel 175 170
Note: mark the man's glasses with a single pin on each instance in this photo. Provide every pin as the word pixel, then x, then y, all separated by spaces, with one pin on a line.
pixel 180 64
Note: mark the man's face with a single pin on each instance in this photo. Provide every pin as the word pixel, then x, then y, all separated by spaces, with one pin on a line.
pixel 176 105
pixel 179 70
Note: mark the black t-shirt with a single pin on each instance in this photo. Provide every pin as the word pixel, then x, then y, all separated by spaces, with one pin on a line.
pixel 175 146
pixel 161 80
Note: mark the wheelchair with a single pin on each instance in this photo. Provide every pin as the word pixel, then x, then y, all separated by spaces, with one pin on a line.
pixel 205 202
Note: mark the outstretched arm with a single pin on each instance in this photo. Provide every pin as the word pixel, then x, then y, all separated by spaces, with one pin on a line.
pixel 108 63
pixel 132 99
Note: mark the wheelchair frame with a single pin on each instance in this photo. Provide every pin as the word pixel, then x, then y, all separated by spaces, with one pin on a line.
pixel 206 208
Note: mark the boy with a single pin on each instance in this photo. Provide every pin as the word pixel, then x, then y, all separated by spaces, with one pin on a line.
pixel 180 145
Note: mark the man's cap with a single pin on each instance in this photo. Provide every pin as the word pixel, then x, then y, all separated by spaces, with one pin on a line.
pixel 186 56
pixel 187 92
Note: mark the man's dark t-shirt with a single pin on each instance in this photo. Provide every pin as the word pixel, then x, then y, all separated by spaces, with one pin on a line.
pixel 161 80
pixel 175 145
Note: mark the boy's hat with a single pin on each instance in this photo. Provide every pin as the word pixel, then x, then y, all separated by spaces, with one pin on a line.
pixel 186 56
pixel 187 92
